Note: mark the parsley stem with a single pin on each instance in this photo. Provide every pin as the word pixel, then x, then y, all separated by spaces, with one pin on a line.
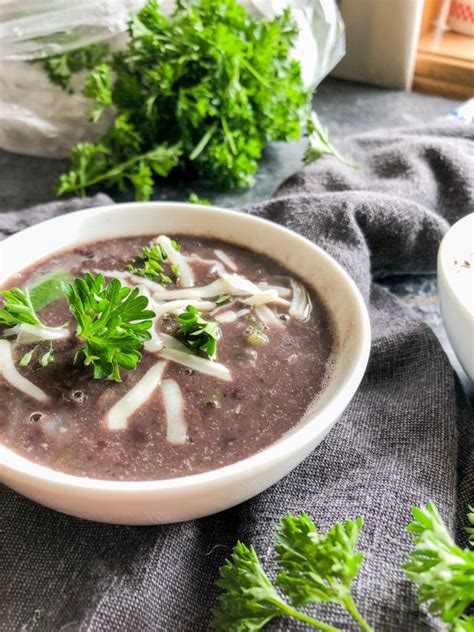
pixel 352 608
pixel 203 142
pixel 285 609
pixel 111 173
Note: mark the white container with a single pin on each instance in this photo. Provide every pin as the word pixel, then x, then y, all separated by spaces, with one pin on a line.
pixel 456 289
pixel 173 500
pixel 381 41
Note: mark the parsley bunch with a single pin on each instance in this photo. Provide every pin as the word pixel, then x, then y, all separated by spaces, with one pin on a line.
pixel 199 334
pixel 113 322
pixel 206 88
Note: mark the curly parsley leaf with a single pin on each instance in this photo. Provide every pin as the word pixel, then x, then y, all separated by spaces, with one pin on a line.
pixel 98 87
pixel 318 143
pixel 470 530
pixel 442 571
pixel 198 334
pixel 249 600
pixel 195 199
pixel 315 567
pixel 61 68
pixel 94 164
pixel 17 308
pixel 113 322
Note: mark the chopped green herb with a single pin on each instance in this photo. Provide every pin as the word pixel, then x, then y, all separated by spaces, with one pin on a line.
pixel 18 308
pixel 195 199
pixel 26 359
pixel 223 299
pixel 199 334
pixel 150 264
pixel 47 357
pixel 318 143
pixel 113 322
pixel 257 337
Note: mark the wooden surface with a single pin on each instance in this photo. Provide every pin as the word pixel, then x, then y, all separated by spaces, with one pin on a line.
pixel 445 65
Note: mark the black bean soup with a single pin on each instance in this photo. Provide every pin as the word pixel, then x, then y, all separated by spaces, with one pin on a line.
pixel 188 413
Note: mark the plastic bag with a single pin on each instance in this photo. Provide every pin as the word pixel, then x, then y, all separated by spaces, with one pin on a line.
pixel 39 118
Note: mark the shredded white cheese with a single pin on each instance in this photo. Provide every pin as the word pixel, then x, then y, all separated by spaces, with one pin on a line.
pixel 27 333
pixel 230 316
pixel 178 306
pixel 117 418
pixel 220 254
pixel 155 343
pixel 170 342
pixel 177 431
pixel 10 373
pixel 186 277
pixel 301 306
pixel 130 280
pixel 284 292
pixel 267 316
pixel 208 367
pixel 265 296
pixel 205 291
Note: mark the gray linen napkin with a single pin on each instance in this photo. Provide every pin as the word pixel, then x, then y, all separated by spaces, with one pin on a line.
pixel 404 439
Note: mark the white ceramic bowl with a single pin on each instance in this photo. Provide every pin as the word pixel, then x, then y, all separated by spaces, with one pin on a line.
pixel 185 498
pixel 456 289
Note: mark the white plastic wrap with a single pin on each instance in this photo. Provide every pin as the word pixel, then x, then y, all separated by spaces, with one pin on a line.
pixel 39 118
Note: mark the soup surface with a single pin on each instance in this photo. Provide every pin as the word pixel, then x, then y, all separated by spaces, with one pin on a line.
pixel 274 355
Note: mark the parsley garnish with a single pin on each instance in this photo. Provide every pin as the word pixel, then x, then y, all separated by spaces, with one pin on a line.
pixel 208 87
pixel 113 322
pixel 46 358
pixel 198 334
pixel 150 264
pixel 223 299
pixel 18 308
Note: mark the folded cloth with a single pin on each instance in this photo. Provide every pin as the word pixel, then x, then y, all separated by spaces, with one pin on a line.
pixel 404 439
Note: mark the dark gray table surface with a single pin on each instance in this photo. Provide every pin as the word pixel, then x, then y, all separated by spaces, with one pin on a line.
pixel 346 108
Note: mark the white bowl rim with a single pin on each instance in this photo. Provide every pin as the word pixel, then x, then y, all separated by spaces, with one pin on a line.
pixel 273 453
pixel 444 267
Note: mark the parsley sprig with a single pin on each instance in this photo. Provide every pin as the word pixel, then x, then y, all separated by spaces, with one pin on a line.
pixel 319 145
pixel 313 568
pixel 441 570
pixel 113 322
pixel 198 334
pixel 150 264
pixel 316 567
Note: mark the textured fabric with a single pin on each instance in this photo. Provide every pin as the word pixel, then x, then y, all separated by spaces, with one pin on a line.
pixel 404 439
